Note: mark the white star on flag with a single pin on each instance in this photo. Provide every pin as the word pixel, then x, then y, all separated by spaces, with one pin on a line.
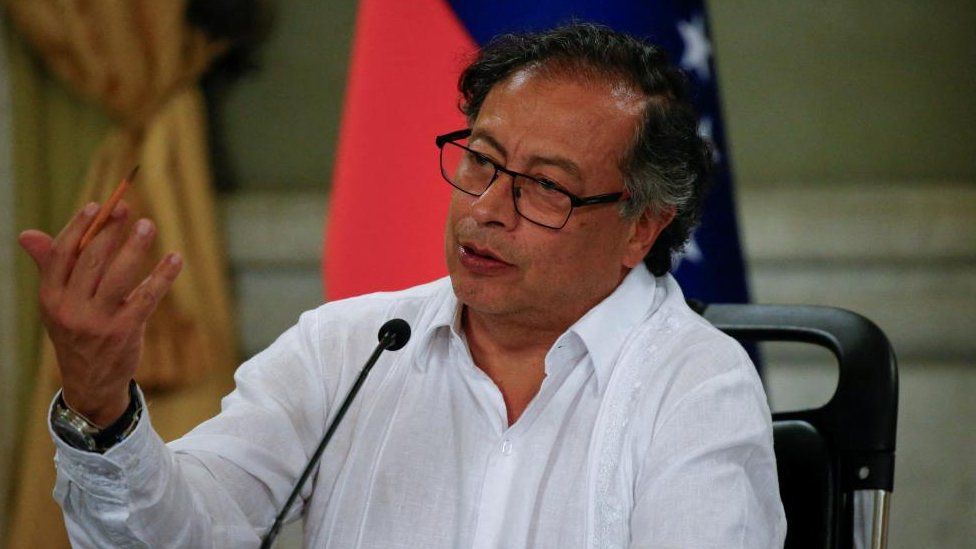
pixel 691 252
pixel 705 131
pixel 698 50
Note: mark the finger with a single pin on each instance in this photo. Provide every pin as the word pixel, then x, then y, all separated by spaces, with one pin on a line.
pixel 120 277
pixel 37 244
pixel 146 297
pixel 64 249
pixel 97 254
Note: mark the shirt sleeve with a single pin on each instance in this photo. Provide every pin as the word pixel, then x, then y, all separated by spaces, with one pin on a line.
pixel 709 479
pixel 219 486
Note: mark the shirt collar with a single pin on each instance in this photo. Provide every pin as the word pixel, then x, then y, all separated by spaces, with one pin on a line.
pixel 444 320
pixel 602 329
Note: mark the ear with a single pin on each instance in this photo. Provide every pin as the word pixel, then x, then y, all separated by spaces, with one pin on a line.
pixel 643 233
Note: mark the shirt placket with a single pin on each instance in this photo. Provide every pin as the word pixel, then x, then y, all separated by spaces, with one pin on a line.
pixel 499 468
pixel 497 485
pixel 504 458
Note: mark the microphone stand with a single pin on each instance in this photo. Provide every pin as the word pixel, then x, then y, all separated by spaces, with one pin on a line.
pixel 392 336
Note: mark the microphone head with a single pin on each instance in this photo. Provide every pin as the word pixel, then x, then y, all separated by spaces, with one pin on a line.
pixel 399 332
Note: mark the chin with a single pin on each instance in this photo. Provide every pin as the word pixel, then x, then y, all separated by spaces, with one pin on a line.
pixel 480 295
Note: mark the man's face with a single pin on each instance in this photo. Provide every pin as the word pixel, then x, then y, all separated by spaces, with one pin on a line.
pixel 573 133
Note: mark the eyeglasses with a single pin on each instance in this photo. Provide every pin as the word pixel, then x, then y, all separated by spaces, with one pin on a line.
pixel 540 201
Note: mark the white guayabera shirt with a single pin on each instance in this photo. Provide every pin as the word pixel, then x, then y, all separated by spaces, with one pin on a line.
pixel 650 429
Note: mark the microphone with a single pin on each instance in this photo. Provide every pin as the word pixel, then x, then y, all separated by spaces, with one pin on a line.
pixel 393 335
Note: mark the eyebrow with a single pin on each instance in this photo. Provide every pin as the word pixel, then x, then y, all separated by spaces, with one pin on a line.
pixel 562 162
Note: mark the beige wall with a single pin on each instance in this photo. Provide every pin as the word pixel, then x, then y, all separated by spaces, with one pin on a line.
pixel 281 122
pixel 848 91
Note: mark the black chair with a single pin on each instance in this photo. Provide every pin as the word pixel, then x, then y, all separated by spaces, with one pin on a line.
pixel 837 460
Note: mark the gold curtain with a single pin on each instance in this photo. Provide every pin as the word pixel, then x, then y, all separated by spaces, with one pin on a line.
pixel 138 62
pixel 54 135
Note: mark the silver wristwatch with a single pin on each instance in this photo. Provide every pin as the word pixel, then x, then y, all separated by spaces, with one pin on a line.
pixel 80 433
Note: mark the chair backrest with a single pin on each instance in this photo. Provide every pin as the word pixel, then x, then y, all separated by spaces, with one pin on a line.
pixel 825 455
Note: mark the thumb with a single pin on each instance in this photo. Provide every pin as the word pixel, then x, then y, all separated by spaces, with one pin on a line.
pixel 37 245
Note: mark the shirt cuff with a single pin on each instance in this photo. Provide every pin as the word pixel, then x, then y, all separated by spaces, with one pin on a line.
pixel 110 475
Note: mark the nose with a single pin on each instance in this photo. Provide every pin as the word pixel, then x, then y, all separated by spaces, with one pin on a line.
pixel 496 206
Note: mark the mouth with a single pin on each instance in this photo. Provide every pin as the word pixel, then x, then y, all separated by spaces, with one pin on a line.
pixel 481 260
pixel 480 252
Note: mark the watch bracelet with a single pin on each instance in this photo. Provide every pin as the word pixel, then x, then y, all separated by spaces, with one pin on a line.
pixel 103 439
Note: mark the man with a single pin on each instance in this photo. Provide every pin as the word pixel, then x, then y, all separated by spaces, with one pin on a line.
pixel 556 393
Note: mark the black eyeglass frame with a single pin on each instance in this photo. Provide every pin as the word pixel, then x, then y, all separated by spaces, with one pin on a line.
pixel 574 200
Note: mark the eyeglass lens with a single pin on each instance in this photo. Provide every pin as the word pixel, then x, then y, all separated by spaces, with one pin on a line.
pixel 535 200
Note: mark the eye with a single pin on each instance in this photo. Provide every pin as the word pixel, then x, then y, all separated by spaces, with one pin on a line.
pixel 477 158
pixel 548 185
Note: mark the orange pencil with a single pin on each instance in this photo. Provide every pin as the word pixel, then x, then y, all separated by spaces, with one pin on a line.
pixel 106 209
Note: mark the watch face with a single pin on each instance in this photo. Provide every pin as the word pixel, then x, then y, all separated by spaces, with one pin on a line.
pixel 73 428
pixel 71 435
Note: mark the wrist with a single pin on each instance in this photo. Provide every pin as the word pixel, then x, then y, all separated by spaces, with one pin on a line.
pixel 102 409
pixel 79 432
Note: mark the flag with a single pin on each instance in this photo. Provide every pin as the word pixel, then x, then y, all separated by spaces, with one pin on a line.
pixel 388 205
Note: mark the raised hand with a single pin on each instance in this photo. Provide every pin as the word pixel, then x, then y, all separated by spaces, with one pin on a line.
pixel 94 307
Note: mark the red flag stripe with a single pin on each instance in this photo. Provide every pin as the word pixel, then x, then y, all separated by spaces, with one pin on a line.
pixel 388 202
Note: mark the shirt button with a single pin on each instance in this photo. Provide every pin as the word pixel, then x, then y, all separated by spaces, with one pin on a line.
pixel 506 447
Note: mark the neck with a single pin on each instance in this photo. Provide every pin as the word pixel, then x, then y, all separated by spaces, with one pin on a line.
pixel 514 337
pixel 527 330
pixel 511 348
pixel 506 336
pixel 511 355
